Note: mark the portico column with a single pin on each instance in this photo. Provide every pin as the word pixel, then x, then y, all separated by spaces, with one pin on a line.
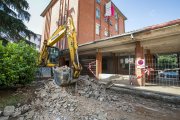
pixel 98 63
pixel 139 54
pixel 150 63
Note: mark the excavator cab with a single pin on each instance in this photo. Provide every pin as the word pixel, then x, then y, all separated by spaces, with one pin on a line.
pixel 53 57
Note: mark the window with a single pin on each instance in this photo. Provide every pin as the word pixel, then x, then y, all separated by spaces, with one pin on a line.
pixel 116 27
pixel 97 13
pixel 116 15
pixel 97 29
pixel 125 62
pixel 106 33
pixel 98 1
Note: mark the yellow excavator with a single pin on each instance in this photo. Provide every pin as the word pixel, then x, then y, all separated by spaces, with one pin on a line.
pixel 50 55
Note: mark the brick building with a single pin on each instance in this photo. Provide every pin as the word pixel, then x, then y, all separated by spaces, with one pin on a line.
pixel 107 52
pixel 89 18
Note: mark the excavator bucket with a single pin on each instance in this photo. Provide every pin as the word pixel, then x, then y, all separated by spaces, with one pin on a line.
pixel 63 76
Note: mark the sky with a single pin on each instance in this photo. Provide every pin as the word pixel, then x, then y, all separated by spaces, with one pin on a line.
pixel 139 13
pixel 36 7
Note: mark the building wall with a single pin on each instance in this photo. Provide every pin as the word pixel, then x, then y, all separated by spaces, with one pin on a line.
pixel 54 17
pixel 35 41
pixel 73 11
pixel 88 20
pixel 43 32
pixel 84 16
pixel 121 24
pixel 105 25
pixel 122 65
pixel 86 27
pixel 46 27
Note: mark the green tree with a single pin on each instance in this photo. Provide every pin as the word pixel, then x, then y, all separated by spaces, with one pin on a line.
pixel 167 61
pixel 12 15
pixel 18 64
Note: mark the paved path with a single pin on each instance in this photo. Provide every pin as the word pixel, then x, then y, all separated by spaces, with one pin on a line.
pixel 168 94
pixel 160 89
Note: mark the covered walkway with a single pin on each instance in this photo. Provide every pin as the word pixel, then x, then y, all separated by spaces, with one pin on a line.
pixel 114 54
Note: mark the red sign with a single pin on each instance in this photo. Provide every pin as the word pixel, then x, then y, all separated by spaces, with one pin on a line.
pixel 140 63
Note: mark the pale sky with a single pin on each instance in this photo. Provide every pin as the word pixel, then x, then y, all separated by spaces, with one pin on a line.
pixel 36 21
pixel 140 13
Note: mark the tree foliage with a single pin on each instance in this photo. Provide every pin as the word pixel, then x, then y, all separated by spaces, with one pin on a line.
pixel 168 61
pixel 12 15
pixel 18 64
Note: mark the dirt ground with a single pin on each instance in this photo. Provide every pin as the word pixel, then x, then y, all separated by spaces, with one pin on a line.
pixel 87 100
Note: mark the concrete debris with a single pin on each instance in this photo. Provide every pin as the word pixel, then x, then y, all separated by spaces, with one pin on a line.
pixel 18 104
pixel 16 113
pixel 30 114
pixel 20 118
pixel 87 100
pixel 25 108
pixel 4 118
pixel 8 110
pixel 109 84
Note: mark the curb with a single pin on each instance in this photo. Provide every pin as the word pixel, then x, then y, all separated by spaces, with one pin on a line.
pixel 166 97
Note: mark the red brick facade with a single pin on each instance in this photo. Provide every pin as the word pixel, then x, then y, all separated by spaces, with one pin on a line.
pixel 86 18
pixel 84 15
pixel 109 25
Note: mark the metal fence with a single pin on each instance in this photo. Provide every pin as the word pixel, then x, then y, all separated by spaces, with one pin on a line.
pixel 163 73
pixel 89 66
pixel 159 71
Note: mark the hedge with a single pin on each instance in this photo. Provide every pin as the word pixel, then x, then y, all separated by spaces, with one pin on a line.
pixel 18 64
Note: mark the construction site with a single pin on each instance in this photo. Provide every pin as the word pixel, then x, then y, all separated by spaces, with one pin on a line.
pixel 90 68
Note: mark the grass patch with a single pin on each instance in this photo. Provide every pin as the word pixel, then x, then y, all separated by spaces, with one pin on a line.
pixel 11 100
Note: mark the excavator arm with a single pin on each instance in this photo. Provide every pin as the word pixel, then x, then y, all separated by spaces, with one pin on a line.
pixel 49 52
pixel 48 47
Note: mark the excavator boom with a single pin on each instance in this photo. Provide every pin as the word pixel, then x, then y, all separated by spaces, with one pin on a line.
pixel 49 55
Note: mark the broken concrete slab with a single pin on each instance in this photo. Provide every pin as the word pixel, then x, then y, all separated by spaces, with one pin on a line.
pixel 8 110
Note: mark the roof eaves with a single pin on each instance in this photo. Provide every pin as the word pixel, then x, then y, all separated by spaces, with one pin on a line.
pixel 117 9
pixel 48 7
pixel 170 23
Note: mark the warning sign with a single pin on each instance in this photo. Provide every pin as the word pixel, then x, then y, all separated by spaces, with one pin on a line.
pixel 140 63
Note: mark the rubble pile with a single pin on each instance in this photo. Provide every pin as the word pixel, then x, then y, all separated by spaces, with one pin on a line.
pixel 90 88
pixel 87 100
pixel 57 103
